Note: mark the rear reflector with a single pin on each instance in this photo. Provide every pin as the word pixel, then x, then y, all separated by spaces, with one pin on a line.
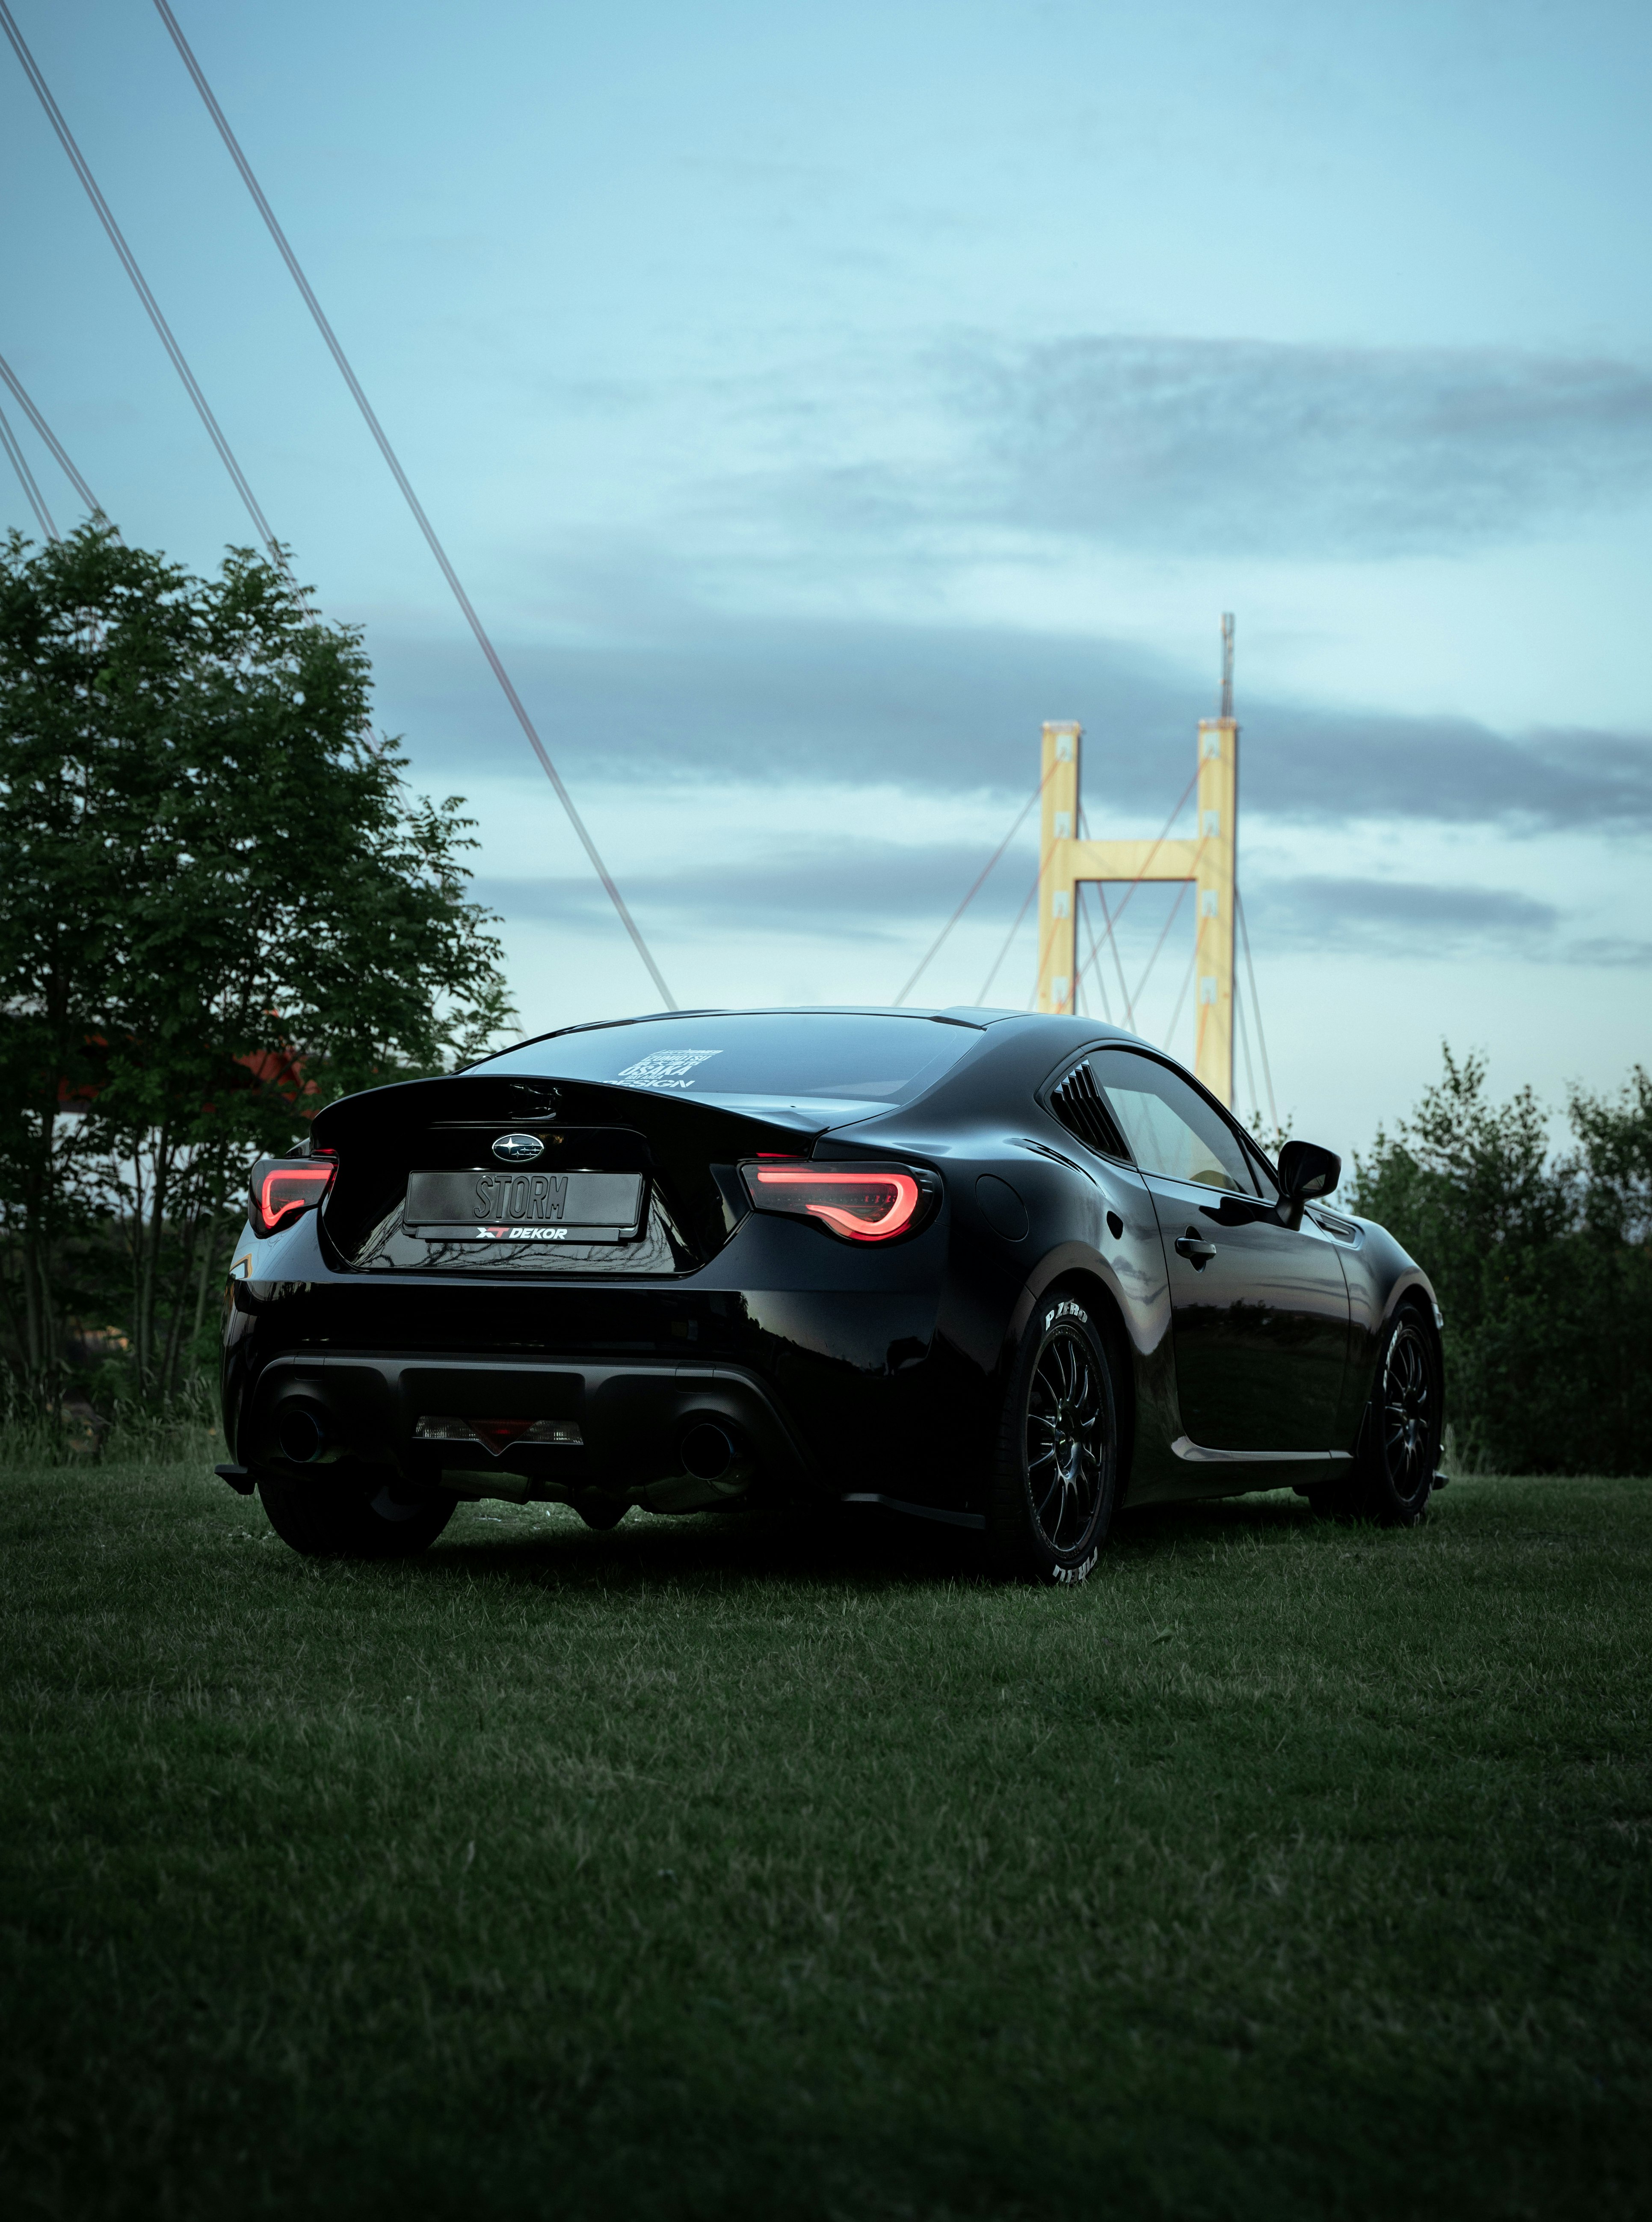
pixel 496 1435
pixel 283 1189
pixel 862 1203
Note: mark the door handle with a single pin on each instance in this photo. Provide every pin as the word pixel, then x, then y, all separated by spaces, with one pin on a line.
pixel 1193 1246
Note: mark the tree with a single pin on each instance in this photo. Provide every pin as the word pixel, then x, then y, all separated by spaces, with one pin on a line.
pixel 1541 1266
pixel 219 907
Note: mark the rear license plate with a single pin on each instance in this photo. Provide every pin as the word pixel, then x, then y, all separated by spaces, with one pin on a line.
pixel 514 1207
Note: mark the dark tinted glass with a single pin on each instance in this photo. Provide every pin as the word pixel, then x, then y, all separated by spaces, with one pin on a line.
pixel 848 1062
pixel 1169 1125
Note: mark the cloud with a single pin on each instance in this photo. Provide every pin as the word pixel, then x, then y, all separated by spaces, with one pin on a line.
pixel 874 891
pixel 871 890
pixel 1292 451
pixel 701 694
pixel 1425 918
pixel 1422 919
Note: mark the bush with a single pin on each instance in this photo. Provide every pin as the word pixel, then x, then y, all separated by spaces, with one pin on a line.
pixel 1543 1266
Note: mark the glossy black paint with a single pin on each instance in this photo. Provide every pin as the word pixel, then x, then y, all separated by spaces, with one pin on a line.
pixel 1249 1325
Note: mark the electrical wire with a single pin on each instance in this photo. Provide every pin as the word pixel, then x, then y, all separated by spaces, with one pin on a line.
pixel 233 145
pixel 117 240
pixel 26 479
pixel 46 433
pixel 1256 1006
pixel 975 890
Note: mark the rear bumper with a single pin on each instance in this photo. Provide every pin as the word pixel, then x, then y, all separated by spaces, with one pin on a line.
pixel 631 1418
pixel 852 1385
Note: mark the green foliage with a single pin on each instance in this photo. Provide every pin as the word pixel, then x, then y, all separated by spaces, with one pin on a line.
pixel 1543 1266
pixel 218 909
pixel 765 1870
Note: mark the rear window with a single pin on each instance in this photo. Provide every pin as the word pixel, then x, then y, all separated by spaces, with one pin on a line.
pixel 841 1065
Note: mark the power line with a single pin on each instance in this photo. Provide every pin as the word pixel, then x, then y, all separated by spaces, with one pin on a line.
pixel 935 945
pixel 232 144
pixel 1256 1006
pixel 25 477
pixel 117 240
pixel 46 433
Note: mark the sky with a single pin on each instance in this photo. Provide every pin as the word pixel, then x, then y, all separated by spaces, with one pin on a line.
pixel 814 400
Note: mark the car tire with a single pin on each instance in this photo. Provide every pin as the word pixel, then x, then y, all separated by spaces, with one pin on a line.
pixel 354 1512
pixel 1398 1445
pixel 1055 1480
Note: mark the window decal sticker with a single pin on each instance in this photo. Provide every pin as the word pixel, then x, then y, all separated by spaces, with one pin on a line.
pixel 667 1068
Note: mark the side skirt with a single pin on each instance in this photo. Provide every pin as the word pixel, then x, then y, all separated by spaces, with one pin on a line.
pixel 976 1520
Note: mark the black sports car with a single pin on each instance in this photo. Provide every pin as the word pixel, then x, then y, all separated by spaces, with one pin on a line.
pixel 1004 1270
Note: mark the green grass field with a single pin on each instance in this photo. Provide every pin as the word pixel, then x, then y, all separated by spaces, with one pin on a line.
pixel 770 1867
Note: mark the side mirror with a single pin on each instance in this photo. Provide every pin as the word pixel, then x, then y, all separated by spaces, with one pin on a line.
pixel 1306 1173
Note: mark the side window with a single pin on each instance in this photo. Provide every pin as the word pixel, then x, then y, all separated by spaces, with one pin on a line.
pixel 1169 1125
pixel 1080 1105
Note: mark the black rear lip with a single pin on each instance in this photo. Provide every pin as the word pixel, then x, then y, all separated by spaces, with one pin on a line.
pixel 632 1413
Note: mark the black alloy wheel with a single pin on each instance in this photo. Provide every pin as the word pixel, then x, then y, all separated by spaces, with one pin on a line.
pixel 1398 1448
pixel 353 1510
pixel 1052 1494
pixel 1406 1415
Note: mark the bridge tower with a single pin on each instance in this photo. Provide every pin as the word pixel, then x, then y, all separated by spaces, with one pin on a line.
pixel 1208 860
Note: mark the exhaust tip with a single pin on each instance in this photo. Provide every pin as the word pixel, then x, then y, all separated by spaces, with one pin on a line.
pixel 706 1451
pixel 303 1435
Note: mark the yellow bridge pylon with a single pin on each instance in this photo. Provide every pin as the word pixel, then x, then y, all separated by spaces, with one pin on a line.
pixel 1208 860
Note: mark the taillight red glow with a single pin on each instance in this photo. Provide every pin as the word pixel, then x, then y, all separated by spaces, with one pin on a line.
pixel 864 1203
pixel 286 1188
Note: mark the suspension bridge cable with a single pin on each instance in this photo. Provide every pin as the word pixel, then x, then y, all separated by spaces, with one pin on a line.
pixel 1109 919
pixel 1158 844
pixel 1008 937
pixel 1181 997
pixel 1174 908
pixel 975 890
pixel 186 54
pixel 46 433
pixel 117 240
pixel 1244 1047
pixel 26 479
pixel 1256 1006
pixel 1093 957
pixel 1130 890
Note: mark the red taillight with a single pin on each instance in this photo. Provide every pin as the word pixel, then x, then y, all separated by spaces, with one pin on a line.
pixel 283 1188
pixel 863 1203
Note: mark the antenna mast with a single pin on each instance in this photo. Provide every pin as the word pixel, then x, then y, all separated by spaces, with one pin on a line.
pixel 1227 709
